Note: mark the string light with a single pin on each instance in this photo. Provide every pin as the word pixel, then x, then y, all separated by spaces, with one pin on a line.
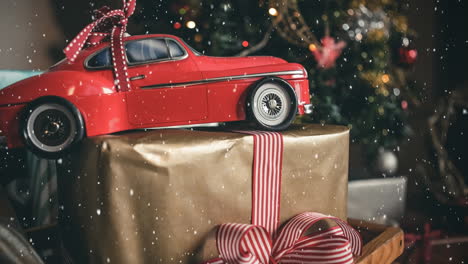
pixel 273 12
pixel 182 11
pixel 358 37
pixel 381 110
pixel 191 24
pixel 177 25
pixel 198 38
pixel 385 78
pixel 312 47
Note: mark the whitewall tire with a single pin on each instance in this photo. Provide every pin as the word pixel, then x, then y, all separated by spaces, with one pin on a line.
pixel 272 104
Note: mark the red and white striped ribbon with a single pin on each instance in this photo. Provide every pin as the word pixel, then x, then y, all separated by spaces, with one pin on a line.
pixel 249 244
pixel 266 179
pixel 108 23
pixel 259 242
pixel 335 245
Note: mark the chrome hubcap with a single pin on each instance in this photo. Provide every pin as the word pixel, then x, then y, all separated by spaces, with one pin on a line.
pixel 51 127
pixel 271 104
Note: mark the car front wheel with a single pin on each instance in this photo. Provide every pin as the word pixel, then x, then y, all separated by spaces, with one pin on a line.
pixel 51 128
pixel 272 105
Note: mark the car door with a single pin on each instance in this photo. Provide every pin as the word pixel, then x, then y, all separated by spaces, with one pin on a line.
pixel 159 70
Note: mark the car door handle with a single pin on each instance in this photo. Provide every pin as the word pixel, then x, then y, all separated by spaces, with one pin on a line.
pixel 138 77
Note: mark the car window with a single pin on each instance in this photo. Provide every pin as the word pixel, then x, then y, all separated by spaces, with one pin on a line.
pixel 192 49
pixel 140 51
pixel 101 59
pixel 175 49
pixel 146 50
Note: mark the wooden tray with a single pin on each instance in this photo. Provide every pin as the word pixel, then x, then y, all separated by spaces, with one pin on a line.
pixel 382 244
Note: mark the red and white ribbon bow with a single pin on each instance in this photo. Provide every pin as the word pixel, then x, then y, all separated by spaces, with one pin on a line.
pixel 250 244
pixel 260 242
pixel 107 23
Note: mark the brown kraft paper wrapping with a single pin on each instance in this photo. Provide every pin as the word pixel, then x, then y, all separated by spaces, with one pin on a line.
pixel 157 197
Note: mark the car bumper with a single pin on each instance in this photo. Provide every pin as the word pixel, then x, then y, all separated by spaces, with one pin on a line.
pixel 308 108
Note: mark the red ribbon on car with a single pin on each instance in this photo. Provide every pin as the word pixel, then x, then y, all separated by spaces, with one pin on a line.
pixel 107 24
pixel 262 242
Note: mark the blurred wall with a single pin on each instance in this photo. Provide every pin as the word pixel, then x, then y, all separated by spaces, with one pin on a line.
pixel 31 37
pixel 423 20
pixel 442 54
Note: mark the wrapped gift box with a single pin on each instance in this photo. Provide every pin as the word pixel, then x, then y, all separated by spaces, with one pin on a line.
pixel 158 196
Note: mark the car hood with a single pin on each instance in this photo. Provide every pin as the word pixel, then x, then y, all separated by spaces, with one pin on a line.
pixel 207 63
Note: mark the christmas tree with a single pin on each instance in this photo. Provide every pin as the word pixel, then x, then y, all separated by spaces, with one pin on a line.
pixel 358 53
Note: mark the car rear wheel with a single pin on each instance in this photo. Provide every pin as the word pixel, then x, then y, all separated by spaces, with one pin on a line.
pixel 51 128
pixel 272 105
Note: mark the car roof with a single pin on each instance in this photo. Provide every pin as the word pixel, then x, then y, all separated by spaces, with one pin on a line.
pixel 135 37
pixel 150 36
pixel 86 52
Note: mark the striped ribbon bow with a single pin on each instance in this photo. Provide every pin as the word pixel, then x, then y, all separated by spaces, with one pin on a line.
pixel 260 242
pixel 251 244
pixel 107 23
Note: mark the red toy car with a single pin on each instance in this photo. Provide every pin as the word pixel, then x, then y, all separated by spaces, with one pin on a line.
pixel 171 84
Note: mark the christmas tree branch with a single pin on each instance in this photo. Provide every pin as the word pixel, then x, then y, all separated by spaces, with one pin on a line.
pixel 260 45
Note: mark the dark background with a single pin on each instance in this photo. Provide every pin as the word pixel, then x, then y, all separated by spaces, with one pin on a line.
pixel 35 32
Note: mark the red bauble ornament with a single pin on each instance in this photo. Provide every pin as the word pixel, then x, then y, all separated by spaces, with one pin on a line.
pixel 177 25
pixel 404 104
pixel 407 56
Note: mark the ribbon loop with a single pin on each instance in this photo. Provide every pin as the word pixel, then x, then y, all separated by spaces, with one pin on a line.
pixel 338 243
pixel 129 7
pixel 107 23
pixel 244 243
pixel 297 226
pixel 249 244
